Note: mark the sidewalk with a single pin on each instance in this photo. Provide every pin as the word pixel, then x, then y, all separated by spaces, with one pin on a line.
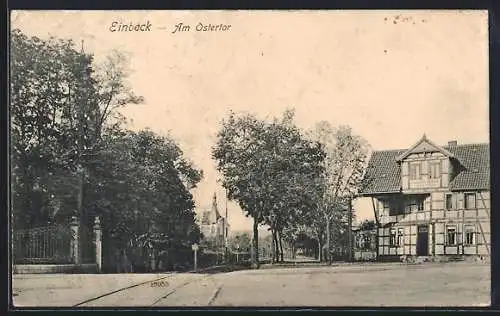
pixel 71 289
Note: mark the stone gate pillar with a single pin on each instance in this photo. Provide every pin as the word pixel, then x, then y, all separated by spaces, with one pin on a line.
pixel 75 240
pixel 98 243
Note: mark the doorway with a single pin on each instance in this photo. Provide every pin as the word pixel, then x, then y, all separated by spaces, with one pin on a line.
pixel 423 240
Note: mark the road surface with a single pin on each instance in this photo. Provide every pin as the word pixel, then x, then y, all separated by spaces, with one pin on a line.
pixel 429 284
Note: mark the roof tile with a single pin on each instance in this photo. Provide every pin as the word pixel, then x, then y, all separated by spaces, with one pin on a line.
pixel 383 174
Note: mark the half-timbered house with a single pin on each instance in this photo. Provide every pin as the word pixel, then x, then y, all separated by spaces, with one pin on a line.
pixel 431 200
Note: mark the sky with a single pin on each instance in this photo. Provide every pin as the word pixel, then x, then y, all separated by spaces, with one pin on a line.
pixel 390 75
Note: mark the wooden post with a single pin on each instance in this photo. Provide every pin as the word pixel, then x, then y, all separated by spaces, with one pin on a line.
pixel 377 224
pixel 462 232
pixel 486 243
pixel 98 243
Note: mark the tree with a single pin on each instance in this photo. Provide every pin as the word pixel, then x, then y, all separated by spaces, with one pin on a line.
pixel 47 81
pixel 344 166
pixel 367 225
pixel 143 195
pixel 266 167
pixel 241 242
pixel 70 151
pixel 61 104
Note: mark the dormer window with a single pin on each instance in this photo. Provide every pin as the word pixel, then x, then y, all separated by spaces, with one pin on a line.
pixel 434 170
pixel 415 171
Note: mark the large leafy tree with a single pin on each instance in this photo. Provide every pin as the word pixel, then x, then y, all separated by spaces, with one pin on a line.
pixel 344 166
pixel 48 79
pixel 62 104
pixel 143 195
pixel 70 154
pixel 240 242
pixel 266 167
pixel 298 164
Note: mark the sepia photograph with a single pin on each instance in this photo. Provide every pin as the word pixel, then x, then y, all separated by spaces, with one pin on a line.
pixel 244 158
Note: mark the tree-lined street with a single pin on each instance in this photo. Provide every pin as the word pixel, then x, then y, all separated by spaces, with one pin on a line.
pixel 75 160
pixel 94 192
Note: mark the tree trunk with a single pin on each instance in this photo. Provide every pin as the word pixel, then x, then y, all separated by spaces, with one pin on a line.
pixel 328 254
pixel 319 250
pixel 275 243
pixel 273 248
pixel 281 247
pixel 80 211
pixel 255 245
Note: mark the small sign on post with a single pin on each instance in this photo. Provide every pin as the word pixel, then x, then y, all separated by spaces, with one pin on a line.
pixel 195 247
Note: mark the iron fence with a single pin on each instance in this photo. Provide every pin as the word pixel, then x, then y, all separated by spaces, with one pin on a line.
pixel 47 244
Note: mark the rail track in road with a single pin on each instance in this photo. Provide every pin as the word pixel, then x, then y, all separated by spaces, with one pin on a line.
pixel 109 295
pixel 175 289
pixel 121 290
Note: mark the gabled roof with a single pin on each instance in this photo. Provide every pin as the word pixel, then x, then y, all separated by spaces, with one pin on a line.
pixel 383 174
pixel 424 145
pixel 472 163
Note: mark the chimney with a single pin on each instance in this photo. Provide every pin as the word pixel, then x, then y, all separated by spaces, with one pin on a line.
pixel 452 143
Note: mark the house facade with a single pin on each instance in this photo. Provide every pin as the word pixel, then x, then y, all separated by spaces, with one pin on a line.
pixel 431 200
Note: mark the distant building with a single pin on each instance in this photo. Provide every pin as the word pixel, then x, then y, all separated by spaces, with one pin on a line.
pixel 431 200
pixel 213 225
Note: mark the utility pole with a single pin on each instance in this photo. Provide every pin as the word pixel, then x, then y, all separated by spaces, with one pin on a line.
pixel 226 233
pixel 80 147
pixel 83 118
pixel 349 218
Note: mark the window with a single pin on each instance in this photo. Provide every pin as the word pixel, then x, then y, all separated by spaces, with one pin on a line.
pixel 420 205
pixel 414 171
pixel 469 235
pixel 360 241
pixel 470 200
pixel 400 237
pixel 367 242
pixel 451 234
pixel 392 240
pixel 449 201
pixel 415 204
pixel 434 170
pixel 363 241
pixel 386 207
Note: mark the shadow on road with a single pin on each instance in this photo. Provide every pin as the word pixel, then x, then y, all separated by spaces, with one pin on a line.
pixel 263 265
pixel 223 269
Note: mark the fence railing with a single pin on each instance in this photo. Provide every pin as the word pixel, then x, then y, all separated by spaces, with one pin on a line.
pixel 47 244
